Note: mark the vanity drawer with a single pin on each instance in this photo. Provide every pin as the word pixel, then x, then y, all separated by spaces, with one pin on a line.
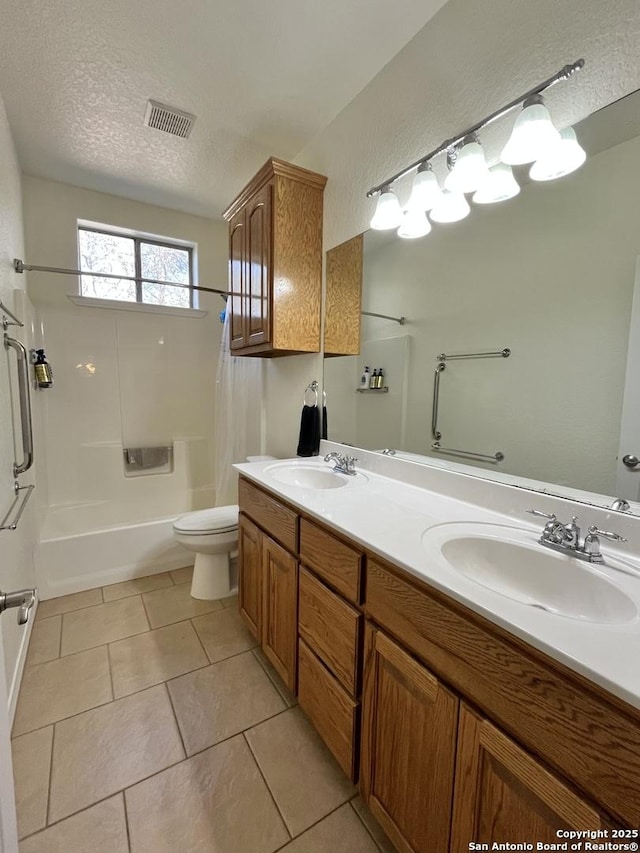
pixel 331 627
pixel 578 729
pixel 278 520
pixel 331 710
pixel 334 561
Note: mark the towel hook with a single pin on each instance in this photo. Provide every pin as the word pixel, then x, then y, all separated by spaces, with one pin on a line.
pixel 313 387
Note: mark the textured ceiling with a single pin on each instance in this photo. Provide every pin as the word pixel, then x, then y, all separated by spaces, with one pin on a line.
pixel 263 78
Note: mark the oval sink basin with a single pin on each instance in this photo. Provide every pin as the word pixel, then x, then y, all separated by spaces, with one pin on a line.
pixel 512 563
pixel 307 476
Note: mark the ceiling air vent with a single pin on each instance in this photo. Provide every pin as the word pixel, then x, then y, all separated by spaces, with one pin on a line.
pixel 168 119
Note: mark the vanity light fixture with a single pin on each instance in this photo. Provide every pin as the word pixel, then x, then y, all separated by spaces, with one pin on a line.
pixel 565 157
pixel 500 185
pixel 533 134
pixel 414 224
pixel 425 191
pixel 388 211
pixel 469 167
pixel 534 139
pixel 452 208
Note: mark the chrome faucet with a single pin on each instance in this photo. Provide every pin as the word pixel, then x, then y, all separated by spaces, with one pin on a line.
pixel 343 464
pixel 566 538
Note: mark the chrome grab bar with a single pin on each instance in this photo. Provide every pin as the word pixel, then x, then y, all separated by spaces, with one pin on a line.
pixel 503 353
pixel 25 405
pixel 469 454
pixel 6 314
pixel 436 394
pixel 4 525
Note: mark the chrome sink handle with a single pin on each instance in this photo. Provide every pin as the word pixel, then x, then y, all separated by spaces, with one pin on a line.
pixel 591 545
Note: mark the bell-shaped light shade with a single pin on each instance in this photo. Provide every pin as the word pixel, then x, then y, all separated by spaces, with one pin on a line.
pixel 452 208
pixel 469 170
pixel 414 224
pixel 499 186
pixel 425 192
pixel 388 211
pixel 564 158
pixel 532 136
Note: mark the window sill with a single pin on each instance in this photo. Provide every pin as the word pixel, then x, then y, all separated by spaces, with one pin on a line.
pixel 140 307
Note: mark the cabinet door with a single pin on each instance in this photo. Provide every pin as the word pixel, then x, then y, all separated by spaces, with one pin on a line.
pixel 502 794
pixel 280 610
pixel 408 747
pixel 237 273
pixel 259 269
pixel 250 580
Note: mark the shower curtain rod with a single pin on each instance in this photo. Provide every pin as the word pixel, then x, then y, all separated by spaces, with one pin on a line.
pixel 20 266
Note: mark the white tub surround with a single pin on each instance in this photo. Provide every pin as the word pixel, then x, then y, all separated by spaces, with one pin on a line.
pixel 388 510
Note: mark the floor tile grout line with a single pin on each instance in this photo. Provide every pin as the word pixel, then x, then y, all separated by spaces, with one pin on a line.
pixel 126 819
pixel 368 831
pixel 113 690
pixel 177 722
pixel 155 773
pixel 206 653
pixel 100 645
pixel 311 826
pixel 268 787
pixel 53 737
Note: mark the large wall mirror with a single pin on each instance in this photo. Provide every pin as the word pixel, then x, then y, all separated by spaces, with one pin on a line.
pixel 550 275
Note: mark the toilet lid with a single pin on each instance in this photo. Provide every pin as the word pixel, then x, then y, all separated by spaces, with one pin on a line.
pixel 219 519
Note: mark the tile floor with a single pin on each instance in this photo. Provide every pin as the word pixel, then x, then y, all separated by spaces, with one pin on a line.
pixel 148 722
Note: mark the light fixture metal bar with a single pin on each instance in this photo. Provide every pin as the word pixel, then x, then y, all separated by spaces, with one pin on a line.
pixel 20 266
pixel 401 320
pixel 563 74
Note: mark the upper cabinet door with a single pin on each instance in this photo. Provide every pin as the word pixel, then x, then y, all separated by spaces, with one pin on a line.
pixel 408 748
pixel 503 794
pixel 343 298
pixel 236 302
pixel 259 269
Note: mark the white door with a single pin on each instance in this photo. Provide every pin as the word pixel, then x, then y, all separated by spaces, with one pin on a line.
pixel 628 464
pixel 8 826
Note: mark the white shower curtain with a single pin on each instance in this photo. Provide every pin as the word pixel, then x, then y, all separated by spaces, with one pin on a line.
pixel 238 416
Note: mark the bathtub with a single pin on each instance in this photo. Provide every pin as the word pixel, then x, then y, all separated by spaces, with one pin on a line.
pixel 74 562
pixel 119 527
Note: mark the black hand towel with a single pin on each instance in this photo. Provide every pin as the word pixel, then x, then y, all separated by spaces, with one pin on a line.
pixel 309 441
pixel 324 423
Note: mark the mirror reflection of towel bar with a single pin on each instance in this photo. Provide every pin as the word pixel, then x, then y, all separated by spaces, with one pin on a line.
pixel 469 454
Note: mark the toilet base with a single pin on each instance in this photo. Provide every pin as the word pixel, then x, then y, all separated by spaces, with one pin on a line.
pixel 211 580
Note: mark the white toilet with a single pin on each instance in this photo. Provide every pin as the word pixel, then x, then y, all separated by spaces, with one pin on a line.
pixel 213 535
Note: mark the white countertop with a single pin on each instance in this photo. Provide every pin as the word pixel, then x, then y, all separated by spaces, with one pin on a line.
pixel 388 516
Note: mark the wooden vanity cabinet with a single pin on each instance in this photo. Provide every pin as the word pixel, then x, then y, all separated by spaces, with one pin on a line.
pixel 275 262
pixel 268 577
pixel 410 722
pixel 503 794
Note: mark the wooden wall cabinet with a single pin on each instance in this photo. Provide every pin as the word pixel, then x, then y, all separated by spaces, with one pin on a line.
pixel 343 298
pixel 275 262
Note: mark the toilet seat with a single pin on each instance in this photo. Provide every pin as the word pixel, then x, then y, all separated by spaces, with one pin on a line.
pixel 220 519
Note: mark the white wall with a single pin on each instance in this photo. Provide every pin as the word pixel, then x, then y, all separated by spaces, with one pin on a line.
pixel 16 547
pixel 467 61
pixel 122 377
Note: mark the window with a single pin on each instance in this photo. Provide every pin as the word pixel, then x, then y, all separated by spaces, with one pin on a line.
pixel 142 259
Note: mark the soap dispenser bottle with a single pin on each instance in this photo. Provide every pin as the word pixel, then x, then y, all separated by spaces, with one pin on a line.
pixel 42 368
pixel 364 379
pixel 373 382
